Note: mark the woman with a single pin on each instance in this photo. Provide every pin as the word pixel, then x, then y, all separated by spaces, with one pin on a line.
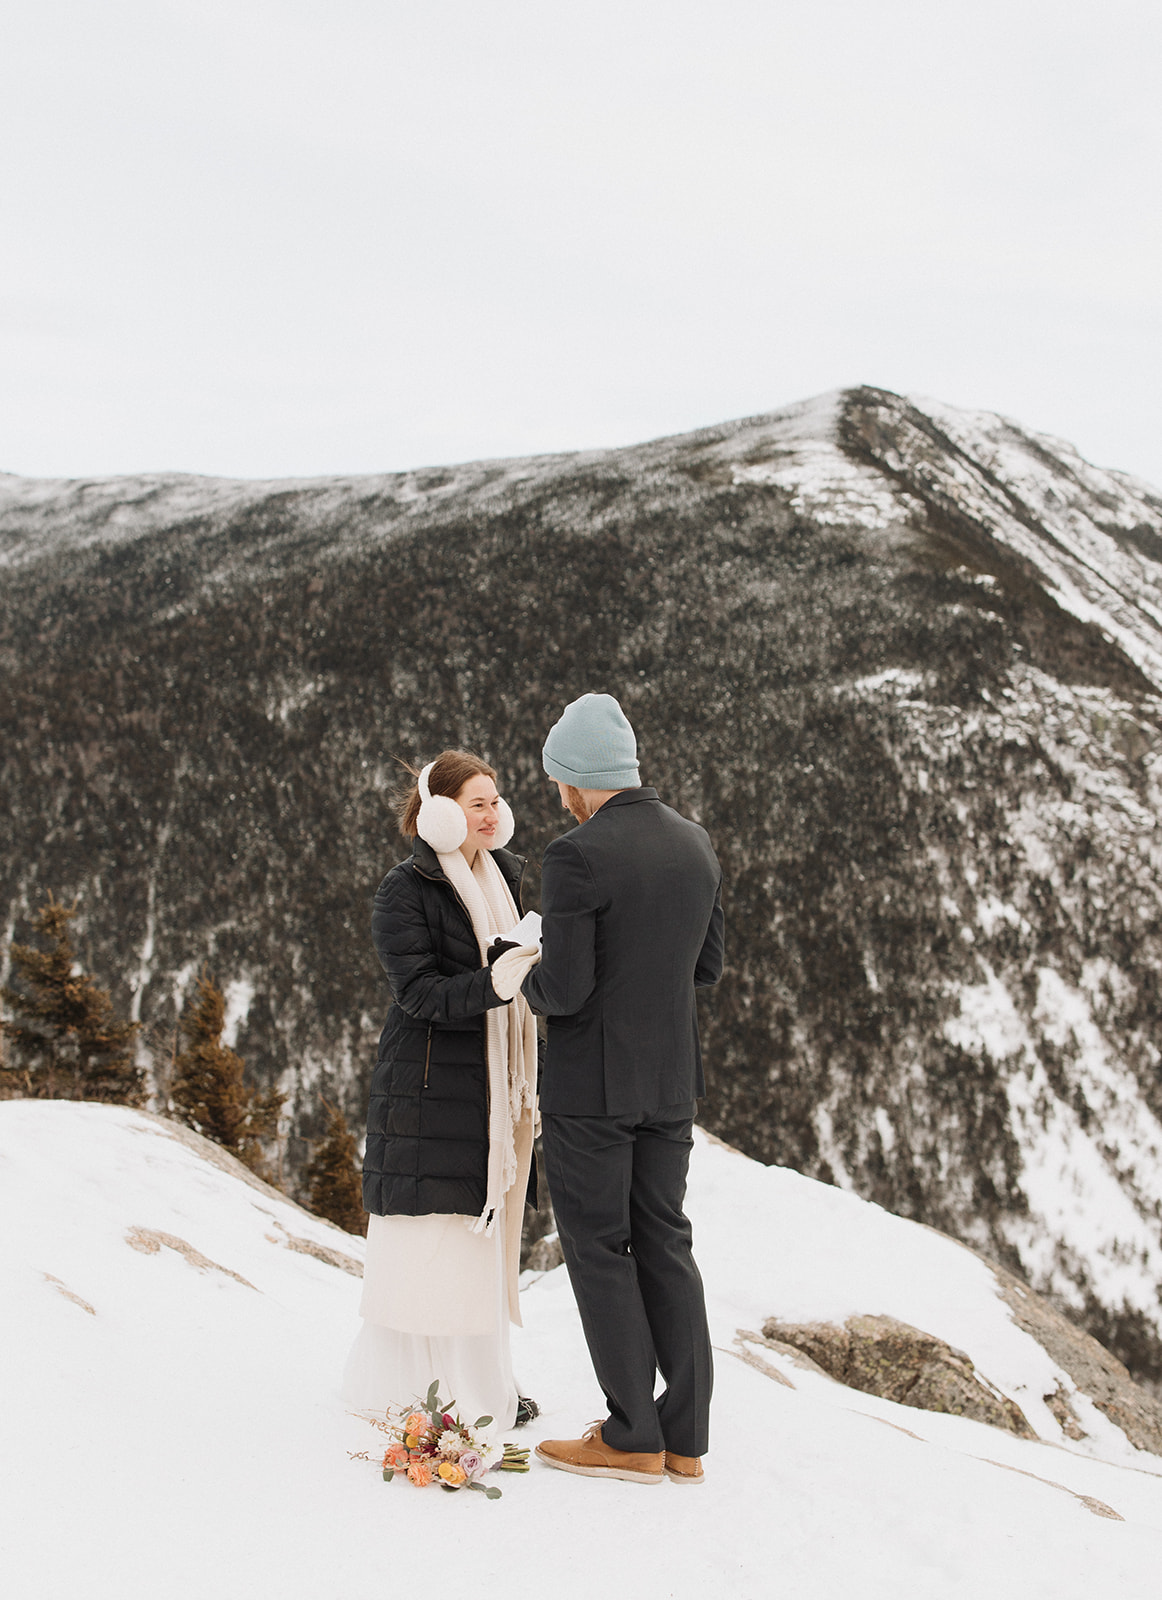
pixel 450 1122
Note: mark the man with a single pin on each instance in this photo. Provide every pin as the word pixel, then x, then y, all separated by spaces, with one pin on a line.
pixel 632 924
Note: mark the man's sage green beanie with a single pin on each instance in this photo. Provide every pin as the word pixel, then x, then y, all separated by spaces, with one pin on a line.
pixel 592 746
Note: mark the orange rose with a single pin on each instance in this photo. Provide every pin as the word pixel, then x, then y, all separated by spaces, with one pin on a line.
pixel 396 1457
pixel 452 1473
pixel 420 1474
pixel 416 1423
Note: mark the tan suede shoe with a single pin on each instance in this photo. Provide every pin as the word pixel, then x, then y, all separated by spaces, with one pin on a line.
pixel 593 1458
pixel 684 1469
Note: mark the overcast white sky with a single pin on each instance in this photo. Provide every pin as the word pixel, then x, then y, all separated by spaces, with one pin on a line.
pixel 287 237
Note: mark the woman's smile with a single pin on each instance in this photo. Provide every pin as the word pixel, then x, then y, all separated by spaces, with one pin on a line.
pixel 480 803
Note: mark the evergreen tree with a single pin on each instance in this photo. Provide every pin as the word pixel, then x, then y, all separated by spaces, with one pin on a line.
pixel 208 1092
pixel 67 1042
pixel 334 1176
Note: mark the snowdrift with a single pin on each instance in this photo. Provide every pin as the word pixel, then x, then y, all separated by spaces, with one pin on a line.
pixel 174 1332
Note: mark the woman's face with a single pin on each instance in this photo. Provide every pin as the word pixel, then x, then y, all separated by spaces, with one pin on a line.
pixel 480 803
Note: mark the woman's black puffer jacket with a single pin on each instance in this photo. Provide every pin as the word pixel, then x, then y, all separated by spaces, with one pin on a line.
pixel 427 1121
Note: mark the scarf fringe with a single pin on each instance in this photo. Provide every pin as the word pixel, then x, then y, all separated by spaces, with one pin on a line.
pixel 510 1034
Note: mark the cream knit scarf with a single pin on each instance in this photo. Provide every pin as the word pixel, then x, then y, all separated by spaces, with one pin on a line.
pixel 510 1030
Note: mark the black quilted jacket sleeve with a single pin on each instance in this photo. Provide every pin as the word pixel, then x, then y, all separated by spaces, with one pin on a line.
pixel 425 943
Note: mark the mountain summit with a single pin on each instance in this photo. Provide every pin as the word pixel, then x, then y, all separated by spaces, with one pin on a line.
pixel 904 662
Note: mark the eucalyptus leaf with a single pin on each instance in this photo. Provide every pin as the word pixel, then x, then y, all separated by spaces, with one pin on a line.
pixel 482 1422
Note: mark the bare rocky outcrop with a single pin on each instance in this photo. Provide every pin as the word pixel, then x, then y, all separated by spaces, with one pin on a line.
pixel 319 1252
pixel 149 1242
pixel 63 1289
pixel 1092 1368
pixel 885 1357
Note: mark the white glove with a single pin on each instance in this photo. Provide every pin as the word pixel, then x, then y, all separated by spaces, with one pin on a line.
pixel 511 969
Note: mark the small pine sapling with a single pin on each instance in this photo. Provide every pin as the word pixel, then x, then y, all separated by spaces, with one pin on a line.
pixel 334 1176
pixel 67 1043
pixel 208 1093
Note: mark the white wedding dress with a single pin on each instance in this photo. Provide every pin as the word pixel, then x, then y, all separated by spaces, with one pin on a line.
pixel 433 1273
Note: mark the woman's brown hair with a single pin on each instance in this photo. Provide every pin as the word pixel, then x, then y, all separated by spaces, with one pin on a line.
pixel 451 770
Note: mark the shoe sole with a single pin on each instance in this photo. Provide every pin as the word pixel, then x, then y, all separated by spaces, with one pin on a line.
pixel 685 1477
pixel 624 1473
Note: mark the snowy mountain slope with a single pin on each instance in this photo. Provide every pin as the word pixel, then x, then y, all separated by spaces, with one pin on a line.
pixel 900 660
pixel 46 517
pixel 1090 538
pixel 864 458
pixel 172 1424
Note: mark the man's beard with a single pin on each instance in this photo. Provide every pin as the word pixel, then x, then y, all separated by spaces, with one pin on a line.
pixel 575 801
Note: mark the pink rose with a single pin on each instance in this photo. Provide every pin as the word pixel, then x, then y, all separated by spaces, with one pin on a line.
pixel 472 1463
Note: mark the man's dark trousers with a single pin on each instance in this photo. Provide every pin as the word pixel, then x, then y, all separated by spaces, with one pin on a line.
pixel 632 927
pixel 617 1186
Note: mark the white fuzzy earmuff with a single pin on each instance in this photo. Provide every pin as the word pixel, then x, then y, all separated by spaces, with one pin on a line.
pixel 506 825
pixel 441 822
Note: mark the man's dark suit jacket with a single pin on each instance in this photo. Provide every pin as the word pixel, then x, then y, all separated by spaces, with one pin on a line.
pixel 632 909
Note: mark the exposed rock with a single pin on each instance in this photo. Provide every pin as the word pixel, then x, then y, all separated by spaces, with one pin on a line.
pixel 747 1344
pixel 209 1150
pixel 882 1356
pixel 1066 1417
pixel 150 1241
pixel 1093 1369
pixel 543 1254
pixel 63 1289
pixel 320 1252
pixel 1098 1507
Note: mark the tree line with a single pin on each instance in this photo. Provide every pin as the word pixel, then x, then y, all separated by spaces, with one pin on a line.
pixel 62 1040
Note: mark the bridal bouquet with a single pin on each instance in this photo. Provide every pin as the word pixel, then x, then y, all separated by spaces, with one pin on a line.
pixel 430 1444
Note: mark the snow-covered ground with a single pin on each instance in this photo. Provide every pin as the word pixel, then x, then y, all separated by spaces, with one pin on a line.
pixel 173 1337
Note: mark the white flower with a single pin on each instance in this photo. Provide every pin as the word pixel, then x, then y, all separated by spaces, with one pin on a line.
pixel 450 1441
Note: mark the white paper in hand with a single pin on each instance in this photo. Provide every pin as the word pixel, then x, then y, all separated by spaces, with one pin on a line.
pixel 527 930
